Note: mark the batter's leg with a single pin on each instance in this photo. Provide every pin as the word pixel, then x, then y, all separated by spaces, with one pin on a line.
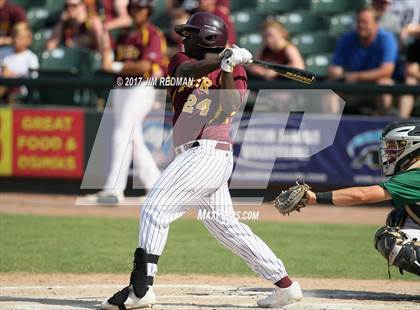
pixel 180 185
pixel 239 238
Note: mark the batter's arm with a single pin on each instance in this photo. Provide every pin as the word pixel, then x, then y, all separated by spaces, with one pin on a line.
pixel 231 99
pixel 198 68
pixel 355 195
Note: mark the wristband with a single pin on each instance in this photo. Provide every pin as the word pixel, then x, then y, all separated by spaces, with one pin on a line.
pixel 117 66
pixel 324 198
pixel 226 66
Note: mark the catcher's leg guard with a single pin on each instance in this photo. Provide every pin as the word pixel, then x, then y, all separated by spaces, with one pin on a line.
pixel 139 280
pixel 399 251
pixel 396 218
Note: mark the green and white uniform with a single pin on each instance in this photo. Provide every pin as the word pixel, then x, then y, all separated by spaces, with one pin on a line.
pixel 404 189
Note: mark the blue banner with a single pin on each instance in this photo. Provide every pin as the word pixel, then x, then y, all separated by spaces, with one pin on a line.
pixel 351 159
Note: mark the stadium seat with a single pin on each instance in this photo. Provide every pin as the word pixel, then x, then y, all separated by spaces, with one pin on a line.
pixel 55 5
pixel 330 6
pixel 303 21
pixel 247 21
pixel 319 63
pixel 40 18
pixel 40 39
pixel 237 5
pixel 45 94
pixel 67 60
pixel 314 43
pixel 279 6
pixel 96 62
pixel 27 4
pixel 252 42
pixel 341 23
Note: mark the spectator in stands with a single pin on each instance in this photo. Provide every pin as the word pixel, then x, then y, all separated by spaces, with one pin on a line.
pixel 116 14
pixel 366 55
pixel 79 29
pixel 17 60
pixel 412 77
pixel 387 20
pixel 408 14
pixel 278 49
pixel 10 15
pixel 174 40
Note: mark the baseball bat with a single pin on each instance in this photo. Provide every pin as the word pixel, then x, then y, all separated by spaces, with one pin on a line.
pixel 296 74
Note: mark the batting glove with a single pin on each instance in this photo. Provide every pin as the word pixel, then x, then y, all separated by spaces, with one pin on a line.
pixel 235 56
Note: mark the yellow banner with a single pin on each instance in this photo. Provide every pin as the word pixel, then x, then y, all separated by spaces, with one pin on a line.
pixel 6 120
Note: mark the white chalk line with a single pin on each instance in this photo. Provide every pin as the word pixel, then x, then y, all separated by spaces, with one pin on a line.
pixel 106 286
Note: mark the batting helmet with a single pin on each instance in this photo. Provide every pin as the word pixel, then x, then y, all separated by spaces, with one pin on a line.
pixel 212 31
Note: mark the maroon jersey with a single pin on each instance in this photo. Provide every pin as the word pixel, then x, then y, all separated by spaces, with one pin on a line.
pixel 198 113
pixel 278 57
pixel 147 43
pixel 109 9
pixel 10 14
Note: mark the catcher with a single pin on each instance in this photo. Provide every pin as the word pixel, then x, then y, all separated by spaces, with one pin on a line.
pixel 399 240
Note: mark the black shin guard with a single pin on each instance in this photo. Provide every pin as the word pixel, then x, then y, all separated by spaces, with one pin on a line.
pixel 139 278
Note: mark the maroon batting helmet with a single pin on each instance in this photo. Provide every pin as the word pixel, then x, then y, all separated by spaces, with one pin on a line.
pixel 212 31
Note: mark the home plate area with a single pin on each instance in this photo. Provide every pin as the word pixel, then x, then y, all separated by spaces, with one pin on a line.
pixel 198 296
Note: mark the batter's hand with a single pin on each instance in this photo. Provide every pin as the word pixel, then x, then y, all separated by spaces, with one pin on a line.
pixel 235 56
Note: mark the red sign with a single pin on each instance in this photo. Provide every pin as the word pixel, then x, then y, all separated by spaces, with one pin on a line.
pixel 48 143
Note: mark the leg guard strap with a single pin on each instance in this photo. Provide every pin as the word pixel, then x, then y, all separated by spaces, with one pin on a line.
pixel 119 298
pixel 139 278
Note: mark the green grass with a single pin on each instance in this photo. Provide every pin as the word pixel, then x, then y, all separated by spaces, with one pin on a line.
pixel 98 245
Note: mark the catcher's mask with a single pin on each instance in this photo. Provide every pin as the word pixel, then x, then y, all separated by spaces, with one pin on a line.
pixel 400 144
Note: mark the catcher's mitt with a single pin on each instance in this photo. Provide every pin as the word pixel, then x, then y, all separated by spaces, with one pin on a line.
pixel 292 199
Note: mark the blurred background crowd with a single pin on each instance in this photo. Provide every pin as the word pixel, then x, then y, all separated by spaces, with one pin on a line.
pixel 347 41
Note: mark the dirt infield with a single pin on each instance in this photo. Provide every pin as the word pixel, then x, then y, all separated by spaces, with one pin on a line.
pixel 61 205
pixel 66 291
pixel 71 291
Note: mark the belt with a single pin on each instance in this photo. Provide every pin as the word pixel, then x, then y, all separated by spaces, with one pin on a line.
pixel 224 146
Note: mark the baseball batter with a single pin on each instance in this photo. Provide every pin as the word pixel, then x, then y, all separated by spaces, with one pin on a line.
pixel 199 174
pixel 399 240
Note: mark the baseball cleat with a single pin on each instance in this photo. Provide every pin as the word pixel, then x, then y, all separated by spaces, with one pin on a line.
pixel 106 198
pixel 132 301
pixel 282 297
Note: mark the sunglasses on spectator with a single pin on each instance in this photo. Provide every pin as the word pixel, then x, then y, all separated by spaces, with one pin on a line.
pixel 71 6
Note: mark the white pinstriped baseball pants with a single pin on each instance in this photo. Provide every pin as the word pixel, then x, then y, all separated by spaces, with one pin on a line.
pixel 198 178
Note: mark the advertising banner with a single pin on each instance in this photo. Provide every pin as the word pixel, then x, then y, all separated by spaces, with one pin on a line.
pixel 351 159
pixel 6 121
pixel 48 143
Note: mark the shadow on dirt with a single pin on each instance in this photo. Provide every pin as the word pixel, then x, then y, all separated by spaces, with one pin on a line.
pixel 342 294
pixel 79 303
